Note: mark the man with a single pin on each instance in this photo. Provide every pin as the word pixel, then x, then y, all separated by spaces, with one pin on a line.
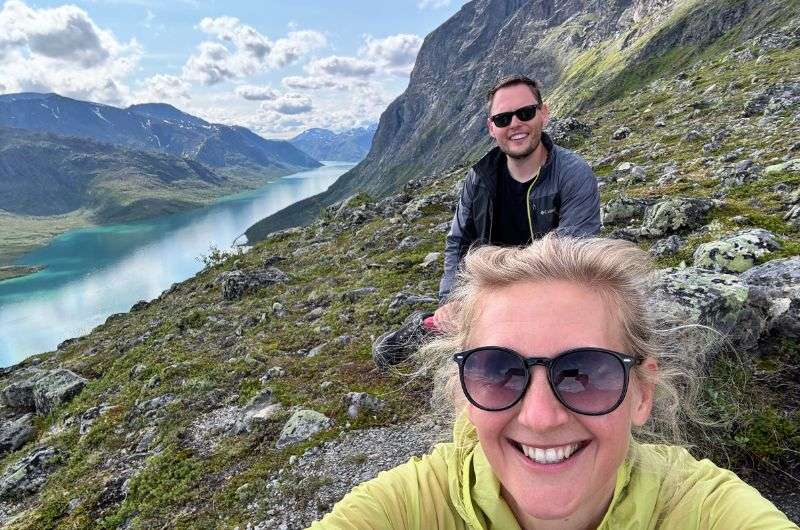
pixel 523 188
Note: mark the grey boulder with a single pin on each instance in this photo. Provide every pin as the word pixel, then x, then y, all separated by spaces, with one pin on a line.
pixel 16 433
pixel 693 296
pixel 672 215
pixel 777 283
pixel 236 284
pixel 735 253
pixel 303 424
pixel 621 209
pixel 26 476
pixel 42 391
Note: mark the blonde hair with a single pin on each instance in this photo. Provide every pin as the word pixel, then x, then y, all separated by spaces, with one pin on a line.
pixel 621 273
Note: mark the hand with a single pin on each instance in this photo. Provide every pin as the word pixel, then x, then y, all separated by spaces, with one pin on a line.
pixel 444 317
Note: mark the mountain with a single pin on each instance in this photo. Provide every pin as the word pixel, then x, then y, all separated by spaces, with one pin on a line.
pixel 154 127
pixel 351 145
pixel 585 53
pixel 45 174
pixel 246 396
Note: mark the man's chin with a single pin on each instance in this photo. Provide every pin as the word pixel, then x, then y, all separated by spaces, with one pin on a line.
pixel 519 155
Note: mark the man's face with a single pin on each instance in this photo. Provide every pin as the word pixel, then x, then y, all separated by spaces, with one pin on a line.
pixel 521 138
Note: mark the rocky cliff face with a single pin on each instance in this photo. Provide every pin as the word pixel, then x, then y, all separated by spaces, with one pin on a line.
pixel 585 53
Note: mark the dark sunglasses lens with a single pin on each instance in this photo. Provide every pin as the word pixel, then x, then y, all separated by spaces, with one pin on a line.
pixel 494 379
pixel 526 113
pixel 589 381
pixel 503 120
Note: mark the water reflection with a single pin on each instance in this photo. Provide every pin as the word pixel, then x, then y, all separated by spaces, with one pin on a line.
pixel 95 272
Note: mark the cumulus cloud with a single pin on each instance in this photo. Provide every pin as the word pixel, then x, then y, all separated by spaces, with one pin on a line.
pixel 256 93
pixel 243 51
pixel 62 50
pixel 289 104
pixel 338 66
pixel 432 4
pixel 162 87
pixel 396 53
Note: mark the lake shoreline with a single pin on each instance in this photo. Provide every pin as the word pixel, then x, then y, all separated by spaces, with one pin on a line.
pixel 17 271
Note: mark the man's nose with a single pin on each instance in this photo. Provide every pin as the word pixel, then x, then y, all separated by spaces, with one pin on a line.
pixel 540 409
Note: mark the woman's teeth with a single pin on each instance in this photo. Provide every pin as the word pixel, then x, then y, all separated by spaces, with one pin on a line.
pixel 551 455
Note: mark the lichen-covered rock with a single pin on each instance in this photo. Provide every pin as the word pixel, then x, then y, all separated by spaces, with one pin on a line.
pixel 28 474
pixel 621 209
pixel 736 253
pixel 698 296
pixel 236 284
pixel 568 131
pixel 358 401
pixel 621 133
pixel 667 246
pixel 778 282
pixel 303 424
pixel 672 215
pixel 55 388
pixel 16 433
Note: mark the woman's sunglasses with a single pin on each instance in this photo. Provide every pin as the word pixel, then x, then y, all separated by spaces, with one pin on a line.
pixel 503 119
pixel 590 381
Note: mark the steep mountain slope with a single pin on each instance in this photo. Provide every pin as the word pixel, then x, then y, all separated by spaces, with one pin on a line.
pixel 351 145
pixel 585 53
pixel 178 412
pixel 153 127
pixel 44 174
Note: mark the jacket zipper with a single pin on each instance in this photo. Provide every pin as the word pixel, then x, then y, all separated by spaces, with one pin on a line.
pixel 528 200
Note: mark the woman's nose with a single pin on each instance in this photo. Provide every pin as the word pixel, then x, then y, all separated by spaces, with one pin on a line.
pixel 540 409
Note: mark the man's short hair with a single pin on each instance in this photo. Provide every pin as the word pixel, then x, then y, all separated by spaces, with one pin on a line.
pixel 512 80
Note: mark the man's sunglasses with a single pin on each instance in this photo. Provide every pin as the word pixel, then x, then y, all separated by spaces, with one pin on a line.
pixel 503 119
pixel 589 381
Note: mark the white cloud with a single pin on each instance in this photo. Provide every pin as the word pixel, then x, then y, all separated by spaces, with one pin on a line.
pixel 289 104
pixel 160 87
pixel 396 53
pixel 256 93
pixel 62 50
pixel 338 66
pixel 296 44
pixel 432 4
pixel 244 51
pixel 210 66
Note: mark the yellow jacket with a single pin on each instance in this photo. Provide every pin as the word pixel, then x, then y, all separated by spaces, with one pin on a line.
pixel 454 488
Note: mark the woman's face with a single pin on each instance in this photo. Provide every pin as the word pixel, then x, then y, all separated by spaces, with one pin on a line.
pixel 543 320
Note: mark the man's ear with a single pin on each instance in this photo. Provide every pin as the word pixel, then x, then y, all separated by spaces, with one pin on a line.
pixel 643 392
pixel 490 126
pixel 545 110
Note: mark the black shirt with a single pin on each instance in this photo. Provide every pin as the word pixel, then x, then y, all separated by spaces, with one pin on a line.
pixel 510 224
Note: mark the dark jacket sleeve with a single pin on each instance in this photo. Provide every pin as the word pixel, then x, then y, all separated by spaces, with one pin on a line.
pixel 461 236
pixel 580 201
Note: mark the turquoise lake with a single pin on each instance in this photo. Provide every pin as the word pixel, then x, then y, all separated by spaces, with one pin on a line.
pixel 95 272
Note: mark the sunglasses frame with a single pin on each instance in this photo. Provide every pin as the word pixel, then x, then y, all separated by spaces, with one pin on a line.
pixel 512 113
pixel 627 361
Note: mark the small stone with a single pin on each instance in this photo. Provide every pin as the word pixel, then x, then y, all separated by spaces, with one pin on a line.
pixel 358 401
pixel 621 133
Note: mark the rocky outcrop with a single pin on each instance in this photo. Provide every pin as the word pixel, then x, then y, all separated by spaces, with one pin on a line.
pixel 673 215
pixel 28 474
pixel 735 253
pixel 42 391
pixel 777 283
pixel 16 433
pixel 236 284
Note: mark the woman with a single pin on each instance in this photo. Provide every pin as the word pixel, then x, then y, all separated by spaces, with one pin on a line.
pixel 556 364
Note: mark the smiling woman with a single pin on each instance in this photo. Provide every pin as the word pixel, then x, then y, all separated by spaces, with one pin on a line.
pixel 557 369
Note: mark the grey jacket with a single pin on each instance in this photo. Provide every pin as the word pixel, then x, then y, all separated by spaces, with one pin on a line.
pixel 565 199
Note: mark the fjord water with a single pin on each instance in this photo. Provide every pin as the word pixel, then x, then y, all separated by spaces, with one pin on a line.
pixel 95 272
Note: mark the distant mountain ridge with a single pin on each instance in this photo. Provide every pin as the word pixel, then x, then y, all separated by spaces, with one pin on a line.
pixel 351 145
pixel 153 127
pixel 584 53
pixel 114 183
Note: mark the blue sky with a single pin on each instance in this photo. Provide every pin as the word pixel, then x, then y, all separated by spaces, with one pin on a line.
pixel 277 67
